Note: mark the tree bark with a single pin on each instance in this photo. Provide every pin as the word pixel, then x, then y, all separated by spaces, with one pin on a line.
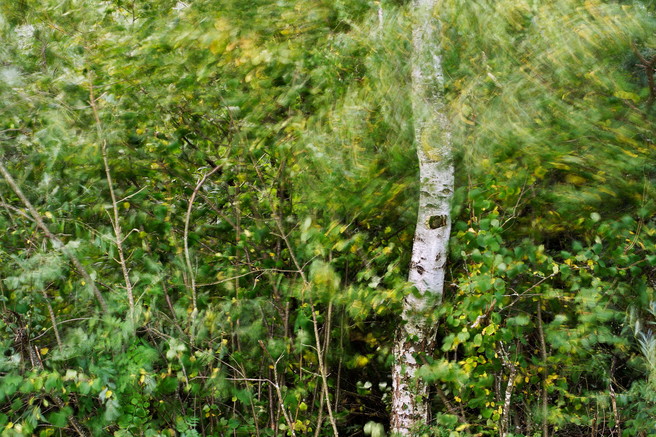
pixel 415 337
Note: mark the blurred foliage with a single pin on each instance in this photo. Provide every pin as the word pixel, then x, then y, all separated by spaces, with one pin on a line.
pixel 289 127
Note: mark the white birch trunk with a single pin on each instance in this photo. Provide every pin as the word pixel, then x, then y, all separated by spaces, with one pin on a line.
pixel 433 142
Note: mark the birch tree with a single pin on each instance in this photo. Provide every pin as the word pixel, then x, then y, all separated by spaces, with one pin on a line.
pixel 432 140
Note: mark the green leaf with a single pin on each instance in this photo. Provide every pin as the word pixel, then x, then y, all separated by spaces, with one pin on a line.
pixel 59 418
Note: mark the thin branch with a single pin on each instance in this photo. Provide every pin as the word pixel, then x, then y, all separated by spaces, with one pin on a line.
pixel 315 325
pixel 326 342
pixel 545 372
pixel 648 66
pixel 514 211
pixel 71 419
pixel 116 224
pixel 61 323
pixel 458 412
pixel 288 419
pixel 259 272
pixel 170 305
pixel 480 319
pixel 118 233
pixel 131 195
pixel 54 239
pixel 613 400
pixel 16 210
pixel 186 236
pixel 53 320
pixel 525 292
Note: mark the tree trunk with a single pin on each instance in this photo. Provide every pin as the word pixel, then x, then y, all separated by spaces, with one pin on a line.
pixel 415 337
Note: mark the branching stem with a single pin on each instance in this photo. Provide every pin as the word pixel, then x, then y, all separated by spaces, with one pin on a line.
pixel 57 243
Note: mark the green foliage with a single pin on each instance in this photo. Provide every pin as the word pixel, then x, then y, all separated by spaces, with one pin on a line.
pixel 562 220
pixel 265 185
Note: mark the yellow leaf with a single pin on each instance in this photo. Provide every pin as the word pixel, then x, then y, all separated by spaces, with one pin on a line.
pixel 540 172
pixel 574 179
pixel 624 95
pixel 109 394
pixel 361 361
pixel 628 152
pixel 44 350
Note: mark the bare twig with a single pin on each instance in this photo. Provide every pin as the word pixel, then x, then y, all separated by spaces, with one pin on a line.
pixel 315 325
pixel 53 320
pixel 16 210
pixel 118 233
pixel 116 224
pixel 545 372
pixel 648 66
pixel 77 319
pixel 276 386
pixel 258 272
pixel 613 401
pixel 192 277
pixel 54 239
pixel 525 292
pixel 326 343
pixel 458 412
pixel 480 319
pixel 170 305
pixel 129 196
pixel 71 419
pixel 514 210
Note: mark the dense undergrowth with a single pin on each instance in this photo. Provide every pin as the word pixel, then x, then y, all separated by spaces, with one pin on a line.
pixel 227 195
